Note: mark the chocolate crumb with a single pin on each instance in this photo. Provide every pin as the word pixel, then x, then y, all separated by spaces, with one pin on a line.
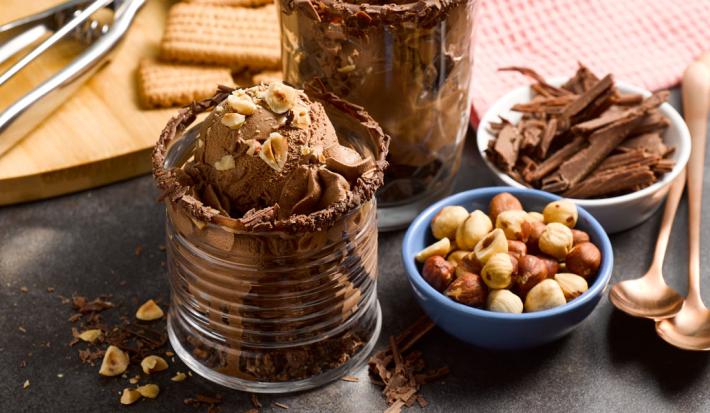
pixel 138 250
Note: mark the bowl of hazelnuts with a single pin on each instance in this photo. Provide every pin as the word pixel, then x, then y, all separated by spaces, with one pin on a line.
pixel 507 268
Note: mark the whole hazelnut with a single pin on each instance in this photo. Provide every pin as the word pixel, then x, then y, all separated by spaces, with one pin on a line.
pixel 556 240
pixel 476 226
pixel 572 285
pixel 471 263
pixel 551 264
pixel 562 211
pixel 514 224
pixel 503 202
pixel 531 271
pixel 493 243
pixel 455 257
pixel 468 289
pixel 579 237
pixel 546 294
pixel 438 272
pixel 498 271
pixel 517 248
pixel 584 260
pixel 447 220
pixel 440 247
pixel 504 301
pixel 536 230
pixel 534 216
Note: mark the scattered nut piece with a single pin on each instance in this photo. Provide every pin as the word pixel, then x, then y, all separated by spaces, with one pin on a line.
pixel 493 243
pixel 90 335
pixel 149 311
pixel 179 376
pixel 241 103
pixel 556 240
pixel 233 120
pixel 476 226
pixel 134 379
pixel 547 294
pixel 225 163
pixel 115 362
pixel 253 147
pixel 438 272
pixel 130 396
pixel 301 117
pixel 584 259
pixel 447 220
pixel 149 390
pixel 572 285
pixel 504 301
pixel 26 384
pixel 440 247
pixel 498 271
pixel 468 289
pixel 503 202
pixel 514 224
pixel 152 364
pixel 562 211
pixel 280 97
pixel 274 151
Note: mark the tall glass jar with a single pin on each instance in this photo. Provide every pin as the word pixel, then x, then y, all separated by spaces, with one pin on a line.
pixel 409 64
pixel 275 310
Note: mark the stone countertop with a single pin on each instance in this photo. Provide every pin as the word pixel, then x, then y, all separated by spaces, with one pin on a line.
pixel 85 244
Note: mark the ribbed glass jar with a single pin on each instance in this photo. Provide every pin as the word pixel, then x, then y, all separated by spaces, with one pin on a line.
pixel 273 312
pixel 409 64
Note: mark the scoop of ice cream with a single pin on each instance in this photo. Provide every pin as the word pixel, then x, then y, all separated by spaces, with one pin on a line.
pixel 270 144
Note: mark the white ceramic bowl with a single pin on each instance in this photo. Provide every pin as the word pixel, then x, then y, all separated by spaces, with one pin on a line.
pixel 616 213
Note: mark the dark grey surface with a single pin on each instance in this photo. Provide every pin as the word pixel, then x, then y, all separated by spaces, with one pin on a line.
pixel 85 243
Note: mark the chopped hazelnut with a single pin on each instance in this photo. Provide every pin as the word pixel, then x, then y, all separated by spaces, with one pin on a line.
pixel 149 390
pixel 440 247
pixel 115 362
pixel 179 376
pixel 233 120
pixel 280 97
pixel 90 335
pixel 129 396
pixel 152 364
pixel 149 311
pixel 225 163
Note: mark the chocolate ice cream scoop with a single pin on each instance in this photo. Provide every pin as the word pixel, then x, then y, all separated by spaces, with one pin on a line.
pixel 271 145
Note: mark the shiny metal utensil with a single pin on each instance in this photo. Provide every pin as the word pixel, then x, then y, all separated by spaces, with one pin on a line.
pixel 650 296
pixel 690 328
pixel 28 111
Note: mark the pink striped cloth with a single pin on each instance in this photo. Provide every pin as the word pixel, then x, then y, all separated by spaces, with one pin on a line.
pixel 644 42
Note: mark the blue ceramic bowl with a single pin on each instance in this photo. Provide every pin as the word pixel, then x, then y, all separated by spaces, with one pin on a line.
pixel 490 329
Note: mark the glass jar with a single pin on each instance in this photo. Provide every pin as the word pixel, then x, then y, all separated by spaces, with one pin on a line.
pixel 275 310
pixel 409 64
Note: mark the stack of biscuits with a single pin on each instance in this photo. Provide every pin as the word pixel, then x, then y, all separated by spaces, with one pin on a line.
pixel 208 43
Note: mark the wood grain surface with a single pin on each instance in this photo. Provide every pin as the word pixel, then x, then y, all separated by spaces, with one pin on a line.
pixel 99 135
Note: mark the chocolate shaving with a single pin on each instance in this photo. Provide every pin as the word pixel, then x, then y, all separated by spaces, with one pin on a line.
pixel 401 371
pixel 574 135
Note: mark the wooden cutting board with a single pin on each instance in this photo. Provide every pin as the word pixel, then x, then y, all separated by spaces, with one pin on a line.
pixel 100 135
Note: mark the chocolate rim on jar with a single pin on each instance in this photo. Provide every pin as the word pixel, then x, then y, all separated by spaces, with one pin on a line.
pixel 174 183
pixel 425 12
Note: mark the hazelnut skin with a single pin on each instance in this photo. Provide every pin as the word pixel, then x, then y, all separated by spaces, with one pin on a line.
pixel 468 289
pixel 584 260
pixel 551 264
pixel 503 202
pixel 531 271
pixel 471 263
pixel 438 272
pixel 579 237
pixel 517 249
pixel 536 230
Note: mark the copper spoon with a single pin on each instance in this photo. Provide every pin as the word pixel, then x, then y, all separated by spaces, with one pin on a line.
pixel 650 296
pixel 690 328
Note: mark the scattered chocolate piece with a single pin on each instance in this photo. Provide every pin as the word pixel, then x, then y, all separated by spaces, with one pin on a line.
pixel 139 250
pixel 212 402
pixel 401 371
pixel 579 139
pixel 81 305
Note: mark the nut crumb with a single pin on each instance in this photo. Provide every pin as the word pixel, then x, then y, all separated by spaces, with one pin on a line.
pixel 50 289
pixel 134 379
pixel 26 384
pixel 149 390
pixel 90 335
pixel 169 353
pixel 153 364
pixel 225 163
pixel 22 329
pixel 129 396
pixel 24 289
pixel 149 311
pixel 179 376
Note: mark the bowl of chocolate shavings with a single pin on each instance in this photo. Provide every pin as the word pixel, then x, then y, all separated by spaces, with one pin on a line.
pixel 610 147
